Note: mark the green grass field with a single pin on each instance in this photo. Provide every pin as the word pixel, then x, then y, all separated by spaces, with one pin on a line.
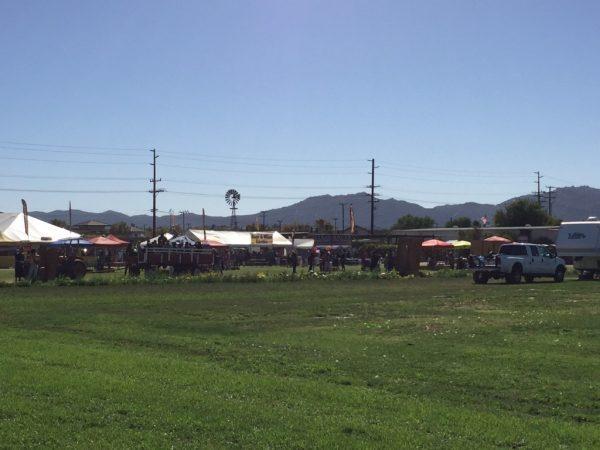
pixel 434 363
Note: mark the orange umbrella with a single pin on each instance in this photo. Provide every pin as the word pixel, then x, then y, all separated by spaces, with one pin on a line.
pixel 104 242
pixel 497 239
pixel 436 243
pixel 112 237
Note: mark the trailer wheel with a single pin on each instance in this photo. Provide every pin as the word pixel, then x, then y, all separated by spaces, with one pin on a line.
pixel 480 277
pixel 559 275
pixel 77 270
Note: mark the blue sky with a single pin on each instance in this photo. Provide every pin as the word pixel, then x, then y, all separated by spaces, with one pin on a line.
pixel 457 101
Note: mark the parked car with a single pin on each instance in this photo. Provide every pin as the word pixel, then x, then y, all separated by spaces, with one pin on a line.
pixel 517 261
pixel 581 241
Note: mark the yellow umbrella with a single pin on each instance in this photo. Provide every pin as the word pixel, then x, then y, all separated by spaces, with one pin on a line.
pixel 460 244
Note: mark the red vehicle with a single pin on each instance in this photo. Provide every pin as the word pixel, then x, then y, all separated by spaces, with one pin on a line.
pixel 181 260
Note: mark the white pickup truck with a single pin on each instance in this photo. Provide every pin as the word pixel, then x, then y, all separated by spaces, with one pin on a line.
pixel 516 261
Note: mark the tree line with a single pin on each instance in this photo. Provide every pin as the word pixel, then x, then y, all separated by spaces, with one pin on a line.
pixel 516 214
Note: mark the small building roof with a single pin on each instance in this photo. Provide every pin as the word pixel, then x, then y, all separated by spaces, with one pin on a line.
pixel 94 223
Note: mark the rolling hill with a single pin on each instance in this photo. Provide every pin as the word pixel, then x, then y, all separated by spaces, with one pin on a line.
pixel 571 203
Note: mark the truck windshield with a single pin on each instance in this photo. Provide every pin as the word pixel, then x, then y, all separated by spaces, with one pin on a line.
pixel 513 250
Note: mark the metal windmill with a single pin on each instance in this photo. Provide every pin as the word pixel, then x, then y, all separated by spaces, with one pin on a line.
pixel 232 198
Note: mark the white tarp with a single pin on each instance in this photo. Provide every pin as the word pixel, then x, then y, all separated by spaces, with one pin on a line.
pixel 168 236
pixel 183 239
pixel 239 238
pixel 12 230
pixel 304 244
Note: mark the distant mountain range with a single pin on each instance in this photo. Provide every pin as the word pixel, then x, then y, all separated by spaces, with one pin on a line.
pixel 571 203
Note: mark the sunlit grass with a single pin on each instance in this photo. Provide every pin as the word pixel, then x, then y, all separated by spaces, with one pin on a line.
pixel 390 363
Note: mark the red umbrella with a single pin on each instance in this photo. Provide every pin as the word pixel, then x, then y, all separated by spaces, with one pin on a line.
pixel 497 239
pixel 436 243
pixel 112 237
pixel 104 242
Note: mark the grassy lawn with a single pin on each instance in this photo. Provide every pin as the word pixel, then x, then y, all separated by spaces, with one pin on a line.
pixel 435 363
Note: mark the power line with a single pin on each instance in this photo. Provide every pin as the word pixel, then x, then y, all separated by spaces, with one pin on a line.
pixel 433 180
pixel 255 158
pixel 66 177
pixel 109 191
pixel 71 152
pixel 449 173
pixel 257 186
pixel 71 191
pixel 174 181
pixel 457 171
pixel 204 169
pixel 90 147
pixel 478 193
pixel 253 197
pixel 262 164
pixel 70 161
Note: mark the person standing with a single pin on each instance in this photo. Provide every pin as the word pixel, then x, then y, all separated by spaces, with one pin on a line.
pixel 19 264
pixel 294 261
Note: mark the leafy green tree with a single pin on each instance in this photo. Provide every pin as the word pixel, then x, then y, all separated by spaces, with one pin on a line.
pixel 323 226
pixel 296 227
pixel 120 229
pixel 410 222
pixel 460 222
pixel 522 212
pixel 59 223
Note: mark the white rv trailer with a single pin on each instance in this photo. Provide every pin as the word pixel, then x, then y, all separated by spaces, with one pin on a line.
pixel 581 241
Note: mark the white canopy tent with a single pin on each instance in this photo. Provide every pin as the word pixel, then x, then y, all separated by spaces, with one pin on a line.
pixel 241 238
pixel 168 236
pixel 304 244
pixel 12 230
pixel 183 239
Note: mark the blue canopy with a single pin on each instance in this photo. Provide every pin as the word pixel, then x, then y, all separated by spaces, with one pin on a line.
pixel 80 242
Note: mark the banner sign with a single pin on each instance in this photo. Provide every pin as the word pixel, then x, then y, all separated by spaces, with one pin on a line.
pixel 261 239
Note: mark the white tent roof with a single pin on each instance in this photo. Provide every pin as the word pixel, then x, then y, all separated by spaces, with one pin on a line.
pixel 304 243
pixel 12 230
pixel 183 238
pixel 169 236
pixel 241 238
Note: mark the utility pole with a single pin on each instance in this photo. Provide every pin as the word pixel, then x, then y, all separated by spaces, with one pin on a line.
pixel 373 195
pixel 279 222
pixel 335 224
pixel 551 197
pixel 343 205
pixel 539 188
pixel 154 191
pixel 264 218
pixel 70 217
pixel 182 220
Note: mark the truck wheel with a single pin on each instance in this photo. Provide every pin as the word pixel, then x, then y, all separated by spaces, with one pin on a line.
pixel 515 274
pixel 559 275
pixel 480 277
pixel 77 270
pixel 528 279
